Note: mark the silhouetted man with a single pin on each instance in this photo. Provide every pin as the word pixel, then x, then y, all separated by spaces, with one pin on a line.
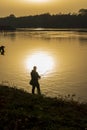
pixel 2 51
pixel 34 80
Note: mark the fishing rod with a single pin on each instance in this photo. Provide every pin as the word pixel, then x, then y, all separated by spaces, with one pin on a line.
pixel 42 75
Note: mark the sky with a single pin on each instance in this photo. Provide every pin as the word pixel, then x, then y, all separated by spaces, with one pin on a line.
pixel 33 7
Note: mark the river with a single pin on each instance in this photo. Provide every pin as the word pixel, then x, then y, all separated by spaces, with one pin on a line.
pixel 60 56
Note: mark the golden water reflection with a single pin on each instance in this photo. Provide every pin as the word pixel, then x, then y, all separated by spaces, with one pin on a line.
pixel 43 61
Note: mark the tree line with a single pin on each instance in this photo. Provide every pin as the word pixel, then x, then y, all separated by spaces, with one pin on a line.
pixel 46 21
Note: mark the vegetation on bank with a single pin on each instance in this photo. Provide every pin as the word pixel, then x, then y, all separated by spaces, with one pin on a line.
pixel 20 110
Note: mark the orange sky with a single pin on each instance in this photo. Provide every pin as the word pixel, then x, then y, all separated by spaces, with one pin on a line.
pixel 31 7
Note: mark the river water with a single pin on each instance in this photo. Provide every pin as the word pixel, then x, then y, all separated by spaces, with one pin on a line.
pixel 60 56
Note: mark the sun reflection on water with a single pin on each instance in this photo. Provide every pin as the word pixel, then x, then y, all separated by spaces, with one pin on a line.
pixel 42 60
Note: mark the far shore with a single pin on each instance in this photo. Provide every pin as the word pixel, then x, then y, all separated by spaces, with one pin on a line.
pixel 53 29
pixel 8 29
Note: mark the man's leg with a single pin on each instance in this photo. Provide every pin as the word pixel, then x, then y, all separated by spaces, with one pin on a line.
pixel 38 89
pixel 33 88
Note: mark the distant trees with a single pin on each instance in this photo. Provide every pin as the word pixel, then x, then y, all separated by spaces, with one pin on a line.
pixel 83 11
pixel 12 16
pixel 47 21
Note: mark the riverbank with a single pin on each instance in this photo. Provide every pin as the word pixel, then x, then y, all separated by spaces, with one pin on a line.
pixel 20 110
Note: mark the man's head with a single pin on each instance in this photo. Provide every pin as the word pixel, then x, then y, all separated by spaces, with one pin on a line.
pixel 34 68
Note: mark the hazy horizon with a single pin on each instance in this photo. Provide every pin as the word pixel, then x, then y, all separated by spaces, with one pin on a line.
pixel 33 7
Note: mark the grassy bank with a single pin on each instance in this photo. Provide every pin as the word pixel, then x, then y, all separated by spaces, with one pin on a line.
pixel 20 110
